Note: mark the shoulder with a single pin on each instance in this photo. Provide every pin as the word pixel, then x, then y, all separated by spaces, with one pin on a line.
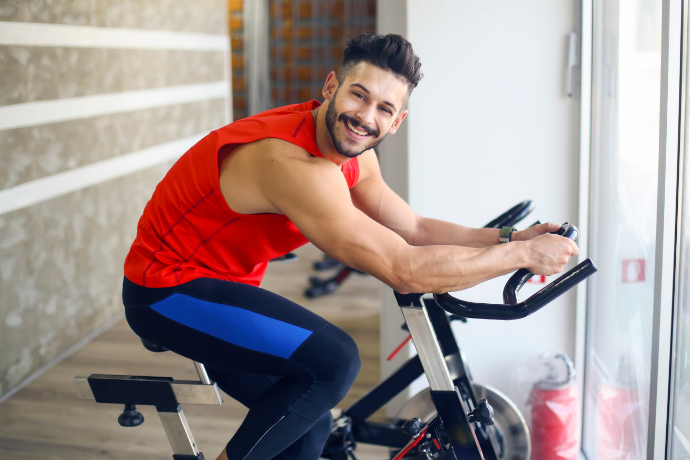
pixel 258 176
pixel 368 166
pixel 278 164
pixel 286 154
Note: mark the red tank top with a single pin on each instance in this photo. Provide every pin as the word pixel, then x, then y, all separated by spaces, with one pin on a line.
pixel 188 231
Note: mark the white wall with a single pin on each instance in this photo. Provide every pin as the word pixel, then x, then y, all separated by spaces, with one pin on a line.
pixel 490 125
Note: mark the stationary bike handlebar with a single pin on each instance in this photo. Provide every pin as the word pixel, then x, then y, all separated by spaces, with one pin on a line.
pixel 512 308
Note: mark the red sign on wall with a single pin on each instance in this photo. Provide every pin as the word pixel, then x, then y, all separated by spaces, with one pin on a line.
pixel 633 271
pixel 537 279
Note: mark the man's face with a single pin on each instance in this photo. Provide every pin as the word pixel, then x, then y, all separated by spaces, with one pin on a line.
pixel 364 109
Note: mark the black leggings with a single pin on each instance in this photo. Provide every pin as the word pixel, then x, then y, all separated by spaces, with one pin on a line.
pixel 286 364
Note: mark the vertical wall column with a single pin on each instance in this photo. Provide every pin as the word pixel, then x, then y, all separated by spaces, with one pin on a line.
pixel 394 159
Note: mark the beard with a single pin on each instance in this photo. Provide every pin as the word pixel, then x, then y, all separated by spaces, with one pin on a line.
pixel 342 144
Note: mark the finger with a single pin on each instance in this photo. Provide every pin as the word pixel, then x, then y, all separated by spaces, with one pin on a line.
pixel 549 227
pixel 542 229
pixel 554 227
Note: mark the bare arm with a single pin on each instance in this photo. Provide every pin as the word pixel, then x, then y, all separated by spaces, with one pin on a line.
pixel 373 197
pixel 315 197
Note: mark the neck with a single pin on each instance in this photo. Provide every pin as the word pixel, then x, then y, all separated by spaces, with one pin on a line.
pixel 323 138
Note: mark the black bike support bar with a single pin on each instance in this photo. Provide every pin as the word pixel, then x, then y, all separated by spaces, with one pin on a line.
pixel 512 216
pixel 522 309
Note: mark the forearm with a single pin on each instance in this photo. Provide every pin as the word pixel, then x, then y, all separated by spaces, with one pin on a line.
pixel 437 232
pixel 438 269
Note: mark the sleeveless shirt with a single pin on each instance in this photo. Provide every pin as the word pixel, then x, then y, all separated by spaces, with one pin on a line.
pixel 188 231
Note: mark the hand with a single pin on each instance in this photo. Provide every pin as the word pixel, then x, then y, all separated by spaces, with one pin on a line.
pixel 533 232
pixel 549 253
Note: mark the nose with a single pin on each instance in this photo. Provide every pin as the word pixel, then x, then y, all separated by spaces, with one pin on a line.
pixel 366 115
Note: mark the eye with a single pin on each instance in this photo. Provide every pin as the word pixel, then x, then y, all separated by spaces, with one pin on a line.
pixel 386 109
pixel 358 95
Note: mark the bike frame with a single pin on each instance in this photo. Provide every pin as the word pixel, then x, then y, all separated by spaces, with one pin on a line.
pixel 449 379
pixel 386 434
pixel 435 320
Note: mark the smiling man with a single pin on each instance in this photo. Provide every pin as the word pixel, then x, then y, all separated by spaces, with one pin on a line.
pixel 265 185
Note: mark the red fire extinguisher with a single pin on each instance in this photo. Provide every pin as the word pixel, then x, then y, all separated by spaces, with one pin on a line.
pixel 554 412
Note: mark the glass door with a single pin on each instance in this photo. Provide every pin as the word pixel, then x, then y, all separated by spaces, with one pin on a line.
pixel 679 416
pixel 625 145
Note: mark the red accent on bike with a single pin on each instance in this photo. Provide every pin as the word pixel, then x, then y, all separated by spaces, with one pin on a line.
pixel 438 446
pixel 413 442
pixel 395 352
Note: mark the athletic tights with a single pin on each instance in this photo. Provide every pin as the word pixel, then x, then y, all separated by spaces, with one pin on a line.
pixel 283 362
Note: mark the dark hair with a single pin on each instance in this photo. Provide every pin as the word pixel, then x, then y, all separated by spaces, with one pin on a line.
pixel 389 52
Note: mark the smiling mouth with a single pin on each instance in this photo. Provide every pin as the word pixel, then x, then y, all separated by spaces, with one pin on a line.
pixel 357 132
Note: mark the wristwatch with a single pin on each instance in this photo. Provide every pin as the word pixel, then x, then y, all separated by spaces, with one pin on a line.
pixel 506 234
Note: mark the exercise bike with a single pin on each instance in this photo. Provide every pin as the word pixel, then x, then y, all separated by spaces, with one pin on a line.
pixel 352 426
pixel 419 419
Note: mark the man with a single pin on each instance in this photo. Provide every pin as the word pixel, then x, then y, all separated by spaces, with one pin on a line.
pixel 265 185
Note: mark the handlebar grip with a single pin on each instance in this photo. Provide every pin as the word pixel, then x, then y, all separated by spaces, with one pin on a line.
pixel 519 310
pixel 514 284
pixel 522 276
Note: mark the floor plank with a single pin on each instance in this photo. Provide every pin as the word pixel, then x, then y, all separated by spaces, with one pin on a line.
pixel 46 421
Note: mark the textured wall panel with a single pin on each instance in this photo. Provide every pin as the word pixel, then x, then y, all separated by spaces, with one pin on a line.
pixel 39 151
pixel 203 16
pixel 61 260
pixel 61 269
pixel 38 74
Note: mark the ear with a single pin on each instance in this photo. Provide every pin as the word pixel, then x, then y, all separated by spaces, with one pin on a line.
pixel 330 86
pixel 398 120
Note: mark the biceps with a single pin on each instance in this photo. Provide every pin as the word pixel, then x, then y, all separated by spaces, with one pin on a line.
pixel 355 240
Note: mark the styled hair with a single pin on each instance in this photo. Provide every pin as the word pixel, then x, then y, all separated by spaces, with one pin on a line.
pixel 389 52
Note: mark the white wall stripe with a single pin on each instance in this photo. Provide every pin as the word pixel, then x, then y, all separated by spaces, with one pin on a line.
pixel 33 34
pixel 46 188
pixel 43 112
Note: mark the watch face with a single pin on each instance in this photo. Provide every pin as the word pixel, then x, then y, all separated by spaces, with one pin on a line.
pixel 506 233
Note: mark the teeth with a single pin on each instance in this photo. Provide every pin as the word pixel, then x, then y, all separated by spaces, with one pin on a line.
pixel 361 133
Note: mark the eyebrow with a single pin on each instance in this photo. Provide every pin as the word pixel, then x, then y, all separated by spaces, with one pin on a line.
pixel 367 91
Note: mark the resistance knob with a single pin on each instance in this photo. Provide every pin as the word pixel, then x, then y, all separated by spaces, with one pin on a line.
pixel 130 416
pixel 483 413
pixel 412 427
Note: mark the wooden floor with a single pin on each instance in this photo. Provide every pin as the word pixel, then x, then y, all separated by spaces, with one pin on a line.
pixel 46 421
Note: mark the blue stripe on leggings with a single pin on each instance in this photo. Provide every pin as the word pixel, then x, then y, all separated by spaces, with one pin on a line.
pixel 234 325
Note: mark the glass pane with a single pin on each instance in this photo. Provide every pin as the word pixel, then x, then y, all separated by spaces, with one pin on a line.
pixel 625 129
pixel 680 418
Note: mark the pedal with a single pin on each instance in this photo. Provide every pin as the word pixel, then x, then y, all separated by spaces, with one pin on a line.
pixel 432 449
pixel 341 444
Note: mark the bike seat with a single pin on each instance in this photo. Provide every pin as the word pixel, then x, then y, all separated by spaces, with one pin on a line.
pixel 152 346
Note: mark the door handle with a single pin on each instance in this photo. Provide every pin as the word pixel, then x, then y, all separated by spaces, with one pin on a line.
pixel 573 60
